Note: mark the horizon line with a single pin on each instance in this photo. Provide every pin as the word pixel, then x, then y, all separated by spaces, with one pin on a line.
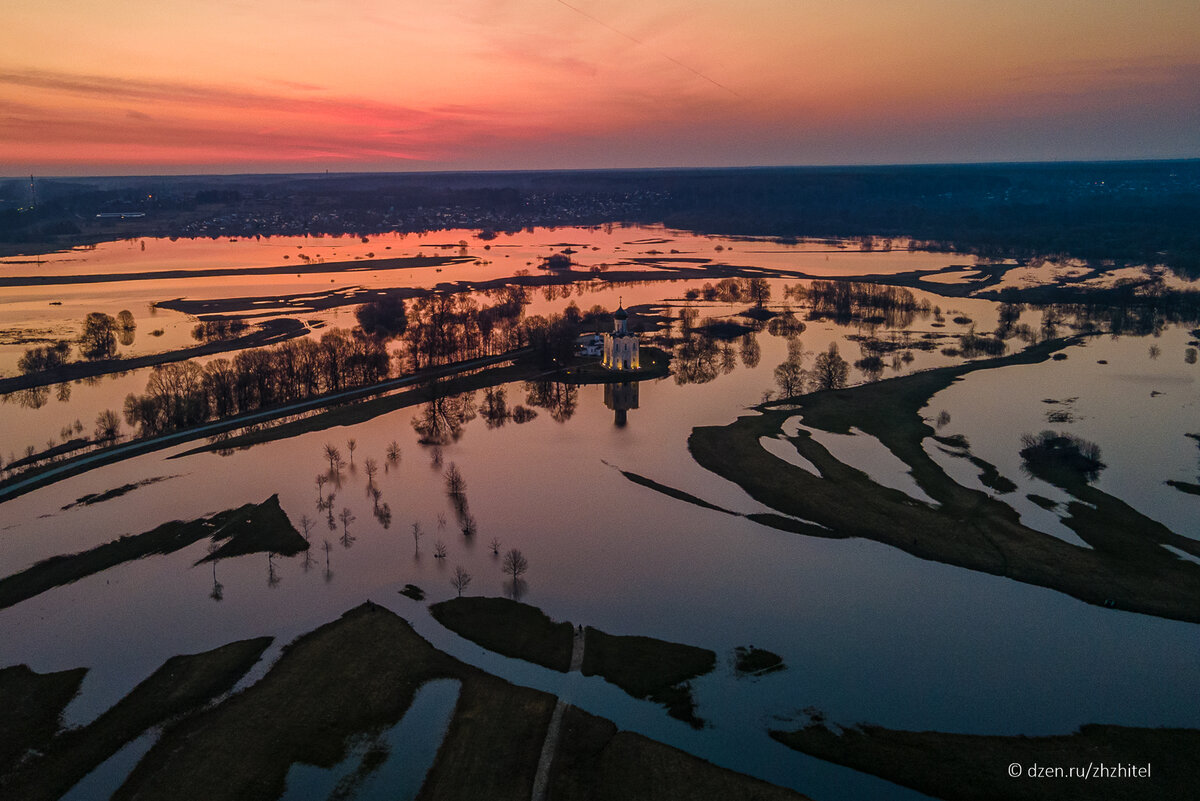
pixel 567 170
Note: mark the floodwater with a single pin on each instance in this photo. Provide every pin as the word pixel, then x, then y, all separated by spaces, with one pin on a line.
pixel 868 633
pixel 405 752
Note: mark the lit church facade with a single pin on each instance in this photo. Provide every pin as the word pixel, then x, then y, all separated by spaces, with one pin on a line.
pixel 621 346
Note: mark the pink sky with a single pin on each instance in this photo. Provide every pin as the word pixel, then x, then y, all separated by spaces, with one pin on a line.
pixel 144 86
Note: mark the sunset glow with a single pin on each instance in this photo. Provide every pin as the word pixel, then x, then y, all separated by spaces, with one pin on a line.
pixel 229 86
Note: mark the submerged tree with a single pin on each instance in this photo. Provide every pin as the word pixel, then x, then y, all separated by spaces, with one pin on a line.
pixel 495 545
pixel 333 455
pixel 455 483
pixel 44 357
pixel 460 580
pixel 515 564
pixel 416 535
pixel 1061 459
pixel 98 339
pixel 347 517
pixel 384 317
pixel 108 426
pixel 830 370
pixel 372 469
pixel 218 589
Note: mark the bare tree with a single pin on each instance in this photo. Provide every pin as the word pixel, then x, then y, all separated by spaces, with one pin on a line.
pixel 321 488
pixel 469 527
pixel 218 589
pixel 495 543
pixel 372 468
pixel 306 523
pixel 347 517
pixel 439 550
pixel 417 534
pixel 108 425
pixel 333 455
pixel 515 564
pixel 393 452
pixel 461 579
pixel 455 484
pixel 351 444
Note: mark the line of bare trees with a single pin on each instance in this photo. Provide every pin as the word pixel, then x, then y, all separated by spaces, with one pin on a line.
pixel 181 394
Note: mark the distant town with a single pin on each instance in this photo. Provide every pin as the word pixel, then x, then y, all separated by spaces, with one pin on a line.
pixel 1136 212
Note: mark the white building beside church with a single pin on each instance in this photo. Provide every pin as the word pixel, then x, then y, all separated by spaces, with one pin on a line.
pixel 621 347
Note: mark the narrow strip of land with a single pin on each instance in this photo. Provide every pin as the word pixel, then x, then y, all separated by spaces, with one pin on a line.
pixel 399 263
pixel 137 447
pixel 271 332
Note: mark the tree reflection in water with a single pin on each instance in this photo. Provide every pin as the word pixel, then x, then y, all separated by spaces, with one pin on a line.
pixel 557 398
pixel 442 418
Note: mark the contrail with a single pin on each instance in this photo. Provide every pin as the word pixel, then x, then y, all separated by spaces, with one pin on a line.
pixel 640 43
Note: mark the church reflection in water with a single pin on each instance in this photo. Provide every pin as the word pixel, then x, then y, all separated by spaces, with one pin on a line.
pixel 621 397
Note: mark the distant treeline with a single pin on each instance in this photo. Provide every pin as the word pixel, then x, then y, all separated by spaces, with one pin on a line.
pixel 1133 212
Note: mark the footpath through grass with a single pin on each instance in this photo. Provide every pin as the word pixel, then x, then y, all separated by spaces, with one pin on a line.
pixel 349 679
pixel 641 666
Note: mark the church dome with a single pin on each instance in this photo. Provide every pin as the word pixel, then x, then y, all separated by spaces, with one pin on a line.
pixel 621 314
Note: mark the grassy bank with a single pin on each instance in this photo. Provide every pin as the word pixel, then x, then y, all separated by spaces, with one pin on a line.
pixel 641 666
pixel 751 661
pixel 510 628
pixel 358 675
pixel 248 529
pixel 976 768
pixel 31 706
pixel 596 762
pixel 182 684
pixel 1126 567
pixel 648 668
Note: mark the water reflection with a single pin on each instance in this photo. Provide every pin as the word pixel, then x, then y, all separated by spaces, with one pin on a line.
pixel 621 398
pixel 442 417
pixel 218 589
pixel 494 408
pixel 556 397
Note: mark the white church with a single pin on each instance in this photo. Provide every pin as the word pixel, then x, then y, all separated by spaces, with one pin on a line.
pixel 621 346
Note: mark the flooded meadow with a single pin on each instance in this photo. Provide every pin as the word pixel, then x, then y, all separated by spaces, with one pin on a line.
pixel 870 630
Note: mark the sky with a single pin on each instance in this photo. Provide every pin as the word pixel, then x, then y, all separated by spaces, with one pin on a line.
pixel 236 86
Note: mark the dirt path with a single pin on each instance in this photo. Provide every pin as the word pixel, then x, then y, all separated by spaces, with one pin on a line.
pixel 550 746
